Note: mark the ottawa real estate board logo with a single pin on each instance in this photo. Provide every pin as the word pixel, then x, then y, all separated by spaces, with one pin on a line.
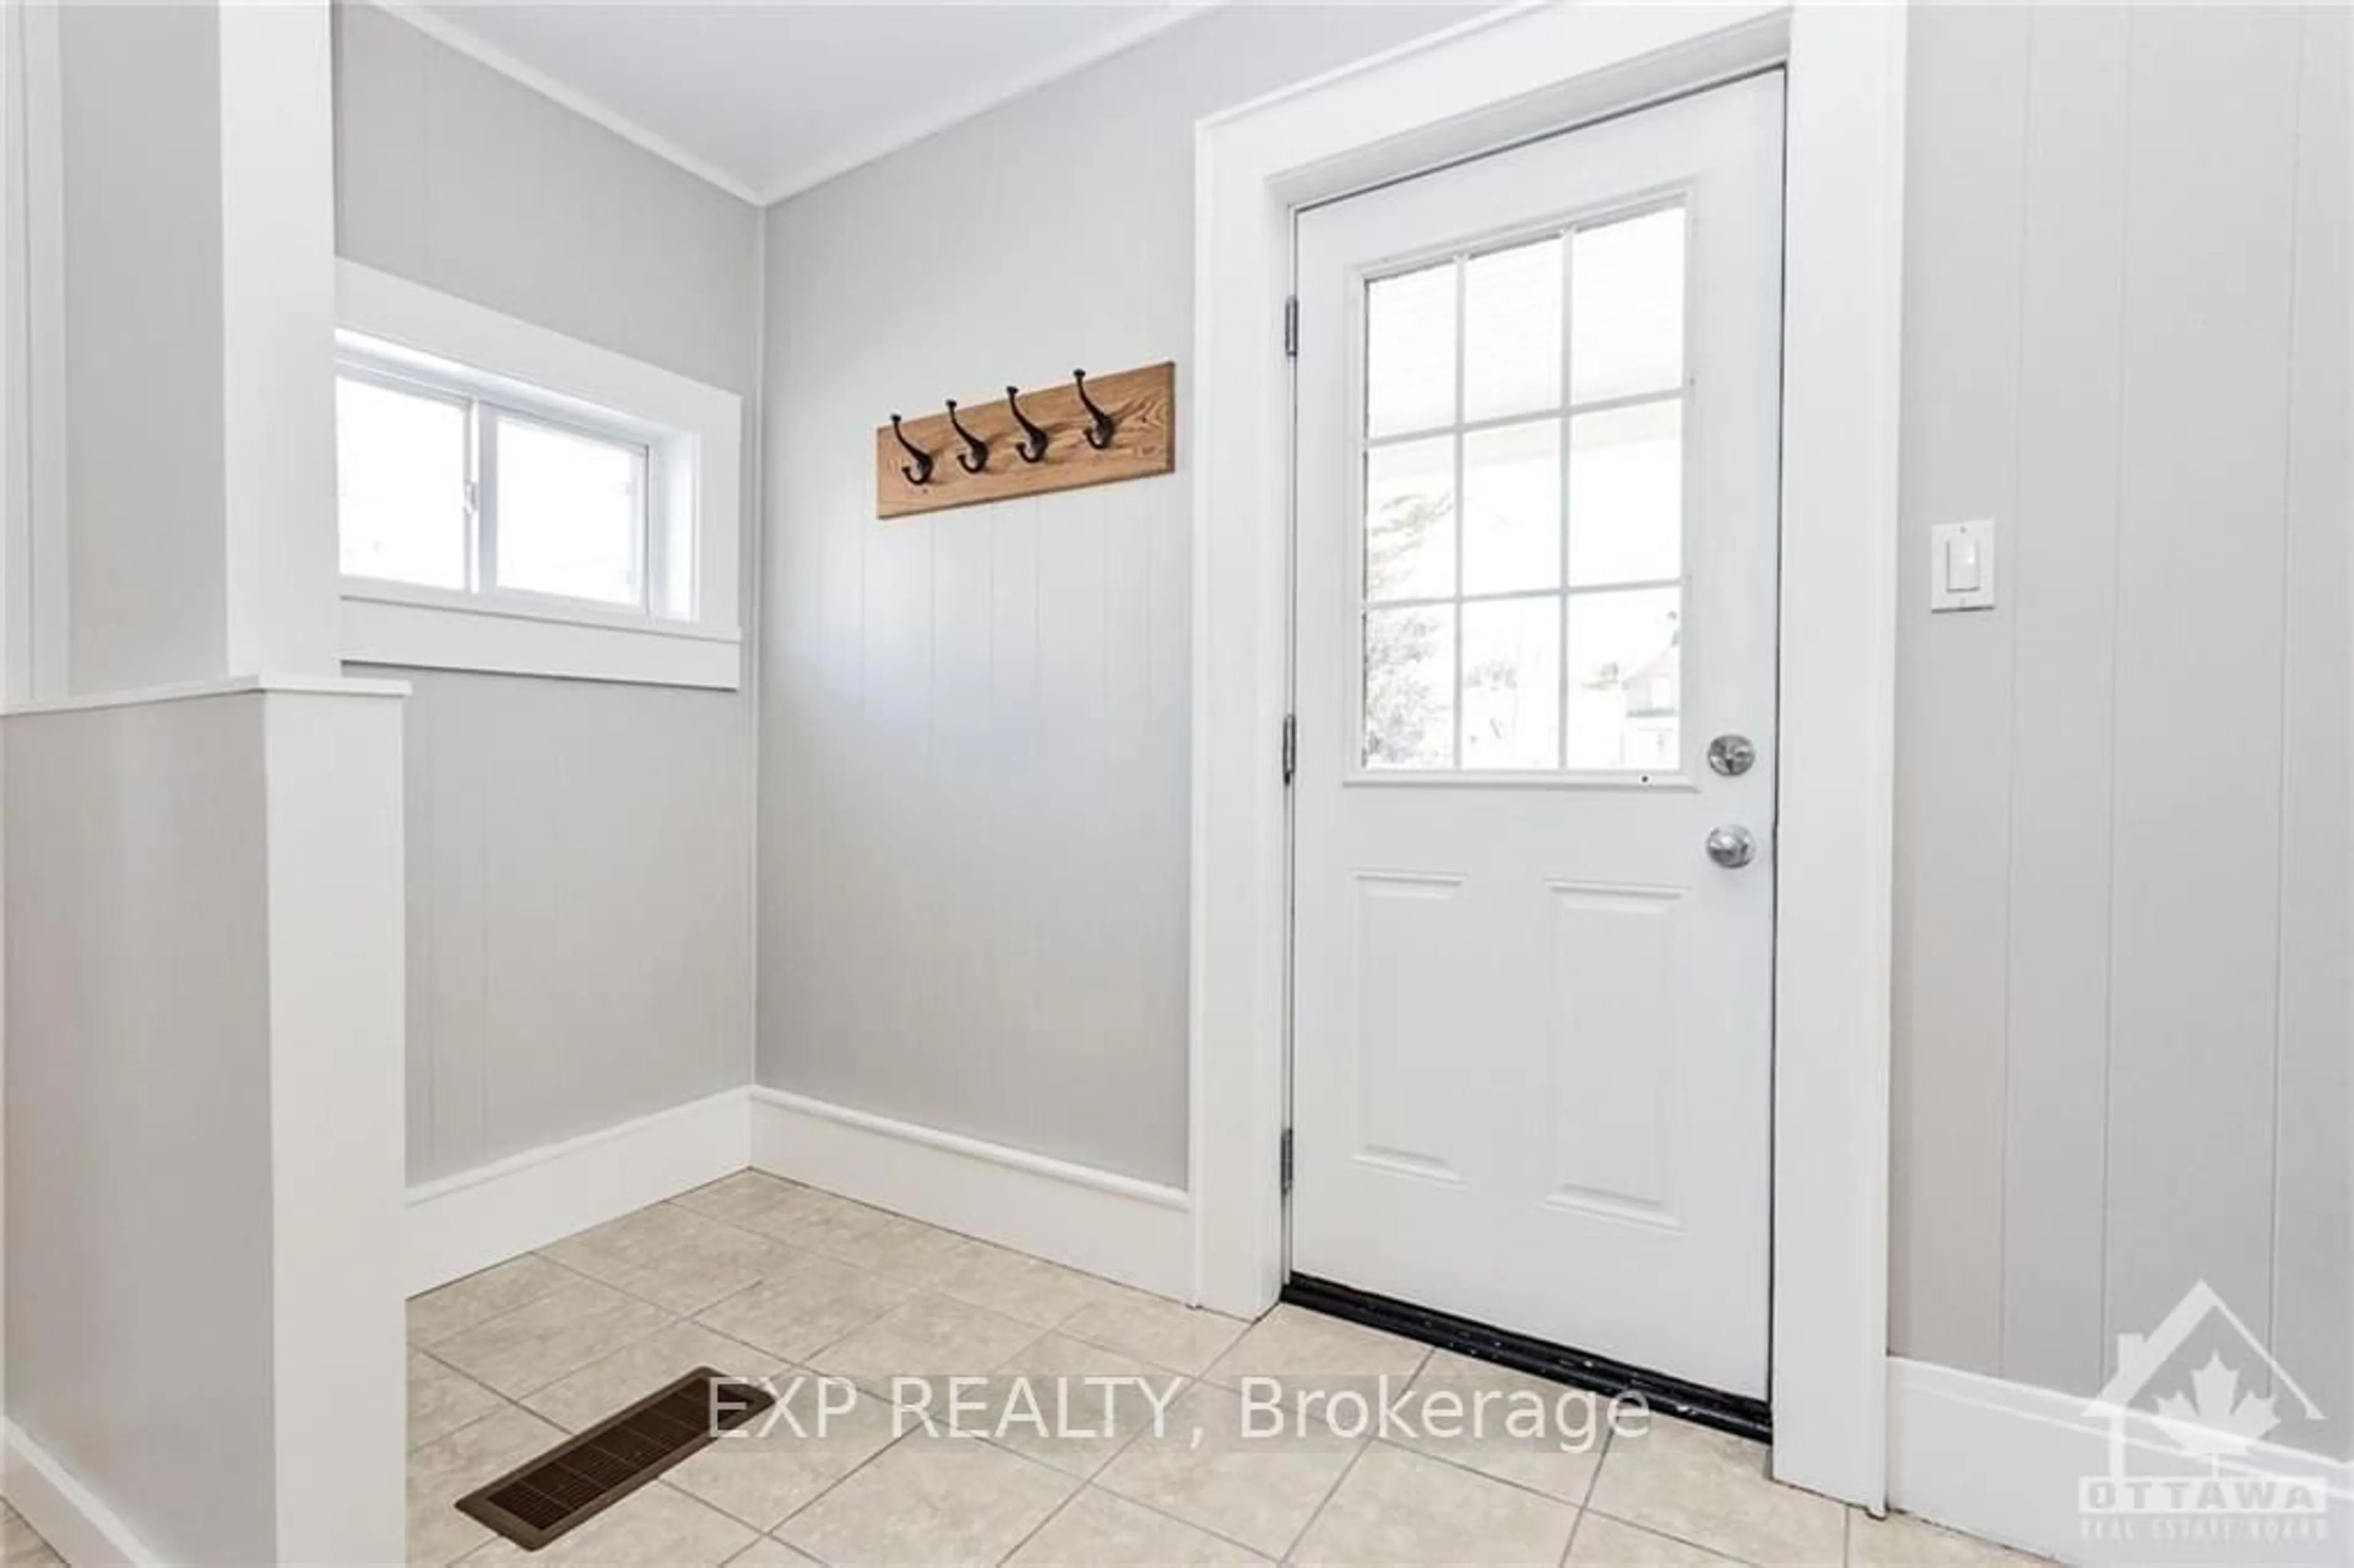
pixel 2189 1412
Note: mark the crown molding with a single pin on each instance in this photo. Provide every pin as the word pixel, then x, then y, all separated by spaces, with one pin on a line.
pixel 957 110
pixel 816 171
pixel 440 28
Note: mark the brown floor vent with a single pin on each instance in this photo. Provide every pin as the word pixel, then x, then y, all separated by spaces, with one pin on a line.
pixel 580 1479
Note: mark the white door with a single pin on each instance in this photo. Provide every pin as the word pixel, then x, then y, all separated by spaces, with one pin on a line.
pixel 1537 520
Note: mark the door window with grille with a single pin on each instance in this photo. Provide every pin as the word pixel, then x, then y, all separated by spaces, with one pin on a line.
pixel 1521 526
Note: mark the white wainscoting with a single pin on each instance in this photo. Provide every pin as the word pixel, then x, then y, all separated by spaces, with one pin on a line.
pixel 82 1528
pixel 2002 1461
pixel 468 1222
pixel 1135 1232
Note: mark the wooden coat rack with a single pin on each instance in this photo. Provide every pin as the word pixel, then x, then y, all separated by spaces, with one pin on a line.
pixel 1093 430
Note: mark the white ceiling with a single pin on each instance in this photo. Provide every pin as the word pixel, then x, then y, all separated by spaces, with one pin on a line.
pixel 766 97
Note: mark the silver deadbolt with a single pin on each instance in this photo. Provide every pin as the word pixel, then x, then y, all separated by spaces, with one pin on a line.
pixel 1732 754
pixel 1731 847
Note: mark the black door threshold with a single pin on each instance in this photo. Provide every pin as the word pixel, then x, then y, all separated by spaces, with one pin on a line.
pixel 1539 1358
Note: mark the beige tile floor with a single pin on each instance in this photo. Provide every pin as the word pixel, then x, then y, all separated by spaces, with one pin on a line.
pixel 19 1545
pixel 760 1276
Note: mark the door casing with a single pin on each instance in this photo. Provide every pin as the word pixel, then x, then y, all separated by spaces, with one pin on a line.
pixel 1498 80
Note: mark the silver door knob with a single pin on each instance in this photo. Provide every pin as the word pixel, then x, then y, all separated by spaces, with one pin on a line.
pixel 1732 754
pixel 1733 847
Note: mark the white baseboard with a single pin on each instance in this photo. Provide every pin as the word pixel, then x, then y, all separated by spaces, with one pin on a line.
pixel 465 1223
pixel 1135 1232
pixel 2003 1460
pixel 83 1530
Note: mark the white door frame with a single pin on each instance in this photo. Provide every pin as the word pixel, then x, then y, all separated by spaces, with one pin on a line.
pixel 1497 80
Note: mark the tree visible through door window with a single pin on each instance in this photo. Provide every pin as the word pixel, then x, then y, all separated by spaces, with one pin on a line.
pixel 1523 504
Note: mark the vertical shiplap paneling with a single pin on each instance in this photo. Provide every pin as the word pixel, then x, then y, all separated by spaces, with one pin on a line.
pixel 449 792
pixel 522 862
pixel 2059 562
pixel 419 838
pixel 791 656
pixel 2174 1015
pixel 896 829
pixel 580 853
pixel 2313 1262
pixel 577 950
pixel 966 881
pixel 1963 180
pixel 1169 719
pixel 1008 1004
pixel 830 1001
pixel 1078 1004
pixel 1050 830
pixel 2195 878
pixel 1129 764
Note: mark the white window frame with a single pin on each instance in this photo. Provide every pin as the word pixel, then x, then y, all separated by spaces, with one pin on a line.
pixel 1528 70
pixel 689 633
pixel 1565 411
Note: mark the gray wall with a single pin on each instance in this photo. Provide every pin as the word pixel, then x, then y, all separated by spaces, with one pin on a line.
pixel 146 603
pixel 2123 893
pixel 2123 888
pixel 457 177
pixel 138 1115
pixel 579 909
pixel 973 727
pixel 580 855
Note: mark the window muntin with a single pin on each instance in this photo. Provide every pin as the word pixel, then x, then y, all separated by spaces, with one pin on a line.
pixel 443 486
pixel 1522 551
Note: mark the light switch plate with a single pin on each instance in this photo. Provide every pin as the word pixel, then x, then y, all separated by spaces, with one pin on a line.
pixel 1961 566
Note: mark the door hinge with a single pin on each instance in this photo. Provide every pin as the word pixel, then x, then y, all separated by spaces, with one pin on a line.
pixel 1291 328
pixel 1283 1161
pixel 1290 747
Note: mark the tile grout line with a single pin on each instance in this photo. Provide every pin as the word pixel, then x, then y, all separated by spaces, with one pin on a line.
pixel 665 1482
pixel 516 1402
pixel 1202 1376
pixel 833 1486
pixel 1585 1498
pixel 892 1399
pixel 770 1533
pixel 1662 1531
pixel 1299 1535
pixel 1052 1514
pixel 1095 1482
pixel 503 1312
pixel 897 1437
pixel 1475 1471
pixel 470 1425
pixel 1215 1534
pixel 467 1424
pixel 1594 1486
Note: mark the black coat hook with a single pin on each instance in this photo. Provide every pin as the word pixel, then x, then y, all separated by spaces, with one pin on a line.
pixel 975 456
pixel 920 470
pixel 1100 425
pixel 1033 438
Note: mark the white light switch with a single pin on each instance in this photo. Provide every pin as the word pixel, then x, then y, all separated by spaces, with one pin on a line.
pixel 1961 566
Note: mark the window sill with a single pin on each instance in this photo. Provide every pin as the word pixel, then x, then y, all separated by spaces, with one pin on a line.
pixel 421 630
